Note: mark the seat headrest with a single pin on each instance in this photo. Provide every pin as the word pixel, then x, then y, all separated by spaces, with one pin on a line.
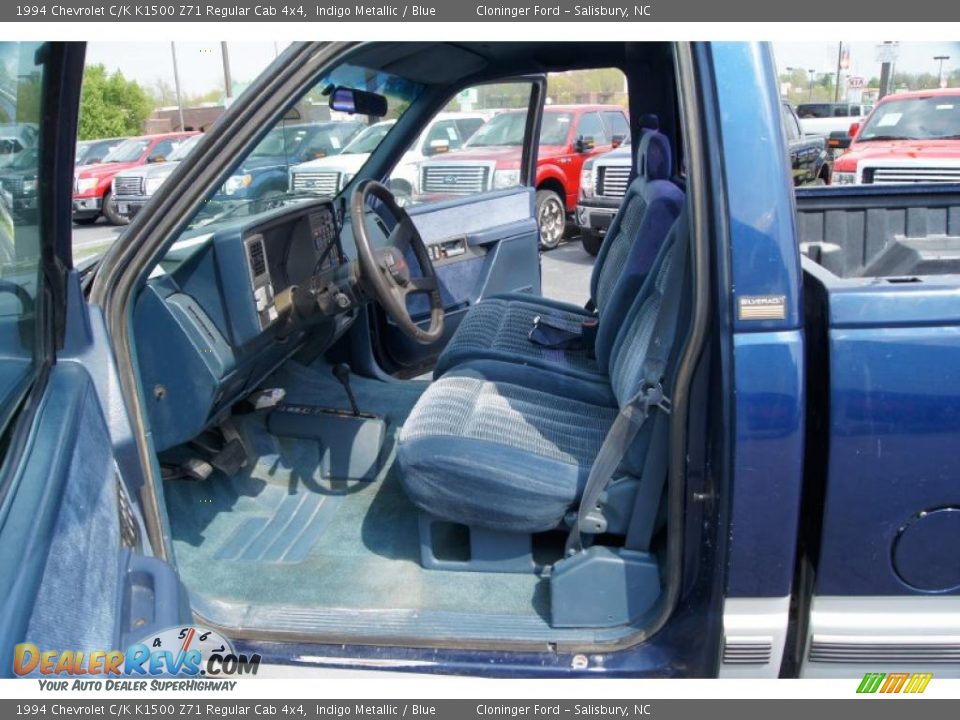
pixel 654 161
pixel 649 121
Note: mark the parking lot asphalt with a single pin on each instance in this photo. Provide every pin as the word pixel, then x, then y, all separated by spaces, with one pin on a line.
pixel 565 272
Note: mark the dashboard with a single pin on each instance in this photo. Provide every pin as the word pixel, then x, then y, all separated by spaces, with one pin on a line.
pixel 225 308
pixel 302 252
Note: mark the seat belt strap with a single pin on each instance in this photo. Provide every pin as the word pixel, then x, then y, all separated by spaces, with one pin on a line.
pixel 634 414
pixel 646 503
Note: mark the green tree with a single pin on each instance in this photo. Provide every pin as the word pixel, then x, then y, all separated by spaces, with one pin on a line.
pixel 111 105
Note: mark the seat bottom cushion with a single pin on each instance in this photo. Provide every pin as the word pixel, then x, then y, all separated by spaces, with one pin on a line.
pixel 498 328
pixel 499 455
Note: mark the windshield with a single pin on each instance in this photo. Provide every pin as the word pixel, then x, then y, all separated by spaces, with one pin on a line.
pixel 916 118
pixel 184 148
pixel 368 140
pixel 25 159
pixel 258 182
pixel 508 128
pixel 128 151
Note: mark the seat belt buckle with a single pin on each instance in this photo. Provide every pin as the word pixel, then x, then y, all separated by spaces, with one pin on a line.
pixel 549 334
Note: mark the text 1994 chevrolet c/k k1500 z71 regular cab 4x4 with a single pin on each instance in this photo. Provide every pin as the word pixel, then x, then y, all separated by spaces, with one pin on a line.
pixel 738 459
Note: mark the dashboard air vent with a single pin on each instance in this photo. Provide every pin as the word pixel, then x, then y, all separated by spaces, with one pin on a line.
pixel 258 259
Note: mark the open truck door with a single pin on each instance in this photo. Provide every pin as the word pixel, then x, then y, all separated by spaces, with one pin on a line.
pixel 71 546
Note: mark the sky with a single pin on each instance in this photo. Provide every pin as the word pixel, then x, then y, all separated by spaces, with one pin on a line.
pixel 199 64
pixel 914 57
pixel 201 69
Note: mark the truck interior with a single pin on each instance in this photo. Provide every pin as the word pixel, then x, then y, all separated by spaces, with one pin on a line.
pixel 369 425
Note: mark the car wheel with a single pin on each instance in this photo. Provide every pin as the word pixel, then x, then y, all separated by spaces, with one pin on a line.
pixel 551 217
pixel 591 241
pixel 110 211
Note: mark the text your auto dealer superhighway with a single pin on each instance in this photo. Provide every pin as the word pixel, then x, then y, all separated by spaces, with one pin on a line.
pixel 611 12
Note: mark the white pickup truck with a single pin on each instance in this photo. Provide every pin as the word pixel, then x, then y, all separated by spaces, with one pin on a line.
pixel 327 176
pixel 832 120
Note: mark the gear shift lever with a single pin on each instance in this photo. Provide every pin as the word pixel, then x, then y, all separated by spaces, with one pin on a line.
pixel 341 371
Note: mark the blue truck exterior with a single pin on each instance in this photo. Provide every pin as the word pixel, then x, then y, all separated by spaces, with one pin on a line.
pixel 767 354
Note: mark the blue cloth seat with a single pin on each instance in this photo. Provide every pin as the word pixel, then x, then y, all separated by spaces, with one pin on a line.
pixel 508 447
pixel 498 327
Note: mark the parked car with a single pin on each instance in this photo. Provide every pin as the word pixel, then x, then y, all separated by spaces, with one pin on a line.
pixel 832 120
pixel 265 174
pixel 18 179
pixel 603 183
pixel 808 151
pixel 133 188
pixel 90 152
pixel 570 135
pixel 92 196
pixel 326 176
pixel 911 137
pixel 14 139
pixel 740 461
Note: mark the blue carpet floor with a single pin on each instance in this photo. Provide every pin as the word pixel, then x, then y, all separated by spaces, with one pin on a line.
pixel 279 534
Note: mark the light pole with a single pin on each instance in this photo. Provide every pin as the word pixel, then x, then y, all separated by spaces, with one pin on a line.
pixel 836 86
pixel 227 80
pixel 176 82
pixel 940 59
pixel 810 93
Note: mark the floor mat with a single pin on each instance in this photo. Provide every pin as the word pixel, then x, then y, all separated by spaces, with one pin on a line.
pixel 280 534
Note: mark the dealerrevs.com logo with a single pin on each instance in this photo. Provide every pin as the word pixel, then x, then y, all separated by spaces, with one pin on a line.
pixel 179 652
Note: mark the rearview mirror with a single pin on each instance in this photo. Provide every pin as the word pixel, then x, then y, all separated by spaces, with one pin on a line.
pixel 854 129
pixel 617 141
pixel 358 102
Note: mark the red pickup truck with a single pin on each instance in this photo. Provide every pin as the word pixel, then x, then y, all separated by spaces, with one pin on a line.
pixel 91 183
pixel 911 137
pixel 490 160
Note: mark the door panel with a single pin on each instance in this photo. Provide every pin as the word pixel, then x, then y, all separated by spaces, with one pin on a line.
pixel 481 245
pixel 64 519
pixel 69 527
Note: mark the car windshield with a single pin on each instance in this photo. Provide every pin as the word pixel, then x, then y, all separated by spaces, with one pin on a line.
pixel 259 180
pixel 508 128
pixel 184 148
pixel 915 118
pixel 127 151
pixel 25 159
pixel 368 140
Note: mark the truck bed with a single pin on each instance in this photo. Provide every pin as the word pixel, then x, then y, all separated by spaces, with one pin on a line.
pixel 882 324
pixel 881 230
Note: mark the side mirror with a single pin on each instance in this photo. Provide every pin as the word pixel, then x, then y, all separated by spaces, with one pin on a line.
pixel 156 159
pixel 854 129
pixel 358 102
pixel 617 141
pixel 436 147
pixel 583 144
pixel 838 140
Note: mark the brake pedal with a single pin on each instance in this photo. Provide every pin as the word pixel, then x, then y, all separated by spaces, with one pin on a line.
pixel 231 458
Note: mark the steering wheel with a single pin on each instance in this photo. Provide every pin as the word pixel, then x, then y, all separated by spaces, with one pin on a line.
pixel 385 269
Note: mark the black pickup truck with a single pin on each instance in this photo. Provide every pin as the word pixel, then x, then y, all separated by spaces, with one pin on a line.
pixel 808 153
